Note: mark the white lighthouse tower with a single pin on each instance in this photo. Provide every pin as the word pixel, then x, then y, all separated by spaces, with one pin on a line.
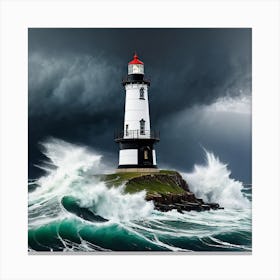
pixel 137 140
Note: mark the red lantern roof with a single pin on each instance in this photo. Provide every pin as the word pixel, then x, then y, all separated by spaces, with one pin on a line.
pixel 135 60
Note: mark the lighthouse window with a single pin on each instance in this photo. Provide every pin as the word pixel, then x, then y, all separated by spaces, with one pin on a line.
pixel 141 93
pixel 142 127
pixel 126 130
pixel 146 154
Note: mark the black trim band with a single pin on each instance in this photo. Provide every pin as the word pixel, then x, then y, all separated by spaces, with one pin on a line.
pixel 136 145
pixel 135 78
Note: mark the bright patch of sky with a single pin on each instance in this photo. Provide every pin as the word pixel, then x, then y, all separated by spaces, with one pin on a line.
pixel 241 104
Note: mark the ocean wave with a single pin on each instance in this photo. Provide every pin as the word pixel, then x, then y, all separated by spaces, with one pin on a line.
pixel 212 183
pixel 72 210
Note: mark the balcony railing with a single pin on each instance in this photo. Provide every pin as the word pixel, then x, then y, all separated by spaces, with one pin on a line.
pixel 137 134
pixel 135 79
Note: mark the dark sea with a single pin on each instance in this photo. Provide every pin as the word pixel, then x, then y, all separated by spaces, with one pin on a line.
pixel 71 210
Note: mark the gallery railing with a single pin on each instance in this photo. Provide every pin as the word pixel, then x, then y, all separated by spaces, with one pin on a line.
pixel 137 134
pixel 135 79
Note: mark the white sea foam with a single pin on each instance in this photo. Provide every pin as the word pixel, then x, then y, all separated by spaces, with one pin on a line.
pixel 71 172
pixel 212 183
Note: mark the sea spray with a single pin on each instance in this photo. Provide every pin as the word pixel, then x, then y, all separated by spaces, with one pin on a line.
pixel 113 203
pixel 72 171
pixel 72 177
pixel 212 183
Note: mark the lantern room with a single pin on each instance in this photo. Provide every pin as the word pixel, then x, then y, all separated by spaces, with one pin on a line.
pixel 135 66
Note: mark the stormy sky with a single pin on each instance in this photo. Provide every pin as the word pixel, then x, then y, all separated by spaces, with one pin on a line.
pixel 200 93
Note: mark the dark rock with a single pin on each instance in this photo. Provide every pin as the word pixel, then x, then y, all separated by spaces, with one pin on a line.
pixel 186 201
pixel 163 207
pixel 181 202
pixel 154 197
pixel 178 179
pixel 214 205
pixel 205 207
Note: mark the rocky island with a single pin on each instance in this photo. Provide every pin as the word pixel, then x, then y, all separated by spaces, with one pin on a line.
pixel 167 189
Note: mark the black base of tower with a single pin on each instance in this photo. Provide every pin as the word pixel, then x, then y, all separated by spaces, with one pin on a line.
pixel 145 152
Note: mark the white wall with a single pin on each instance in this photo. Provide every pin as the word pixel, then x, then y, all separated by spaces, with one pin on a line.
pixel 136 108
pixel 129 156
pixel 154 158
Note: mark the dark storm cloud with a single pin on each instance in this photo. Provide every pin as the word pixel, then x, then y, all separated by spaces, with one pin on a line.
pixel 226 132
pixel 75 90
pixel 76 82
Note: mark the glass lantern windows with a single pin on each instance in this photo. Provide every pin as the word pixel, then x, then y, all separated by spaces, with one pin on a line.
pixel 135 69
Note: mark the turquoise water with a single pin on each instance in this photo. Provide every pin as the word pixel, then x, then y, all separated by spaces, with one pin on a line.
pixel 70 210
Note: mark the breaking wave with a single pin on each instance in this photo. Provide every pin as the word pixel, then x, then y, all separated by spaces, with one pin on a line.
pixel 71 209
pixel 212 183
pixel 75 171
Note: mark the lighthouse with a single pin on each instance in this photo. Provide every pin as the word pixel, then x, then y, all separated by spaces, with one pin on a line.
pixel 136 140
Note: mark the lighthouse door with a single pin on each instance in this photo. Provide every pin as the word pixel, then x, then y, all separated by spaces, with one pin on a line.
pixel 145 156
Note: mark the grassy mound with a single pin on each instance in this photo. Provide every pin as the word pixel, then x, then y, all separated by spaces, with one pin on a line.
pixel 164 182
